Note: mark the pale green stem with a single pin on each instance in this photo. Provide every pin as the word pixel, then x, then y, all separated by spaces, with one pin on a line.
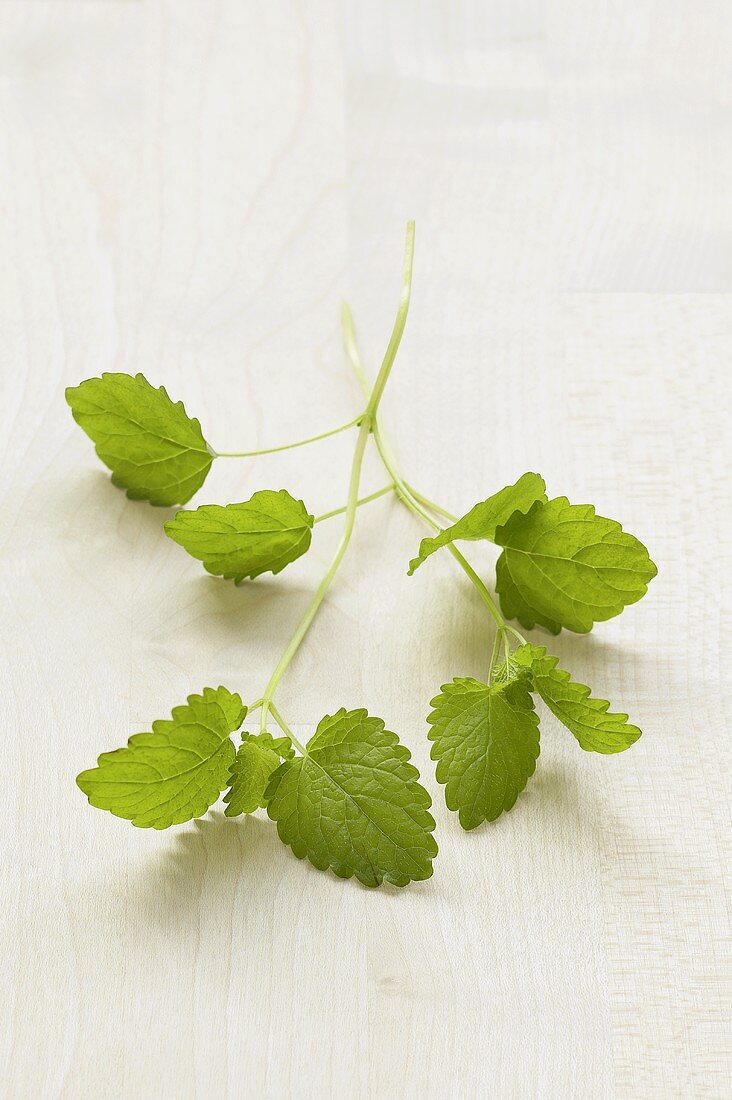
pixel 398 330
pixel 404 492
pixel 317 599
pixel 494 654
pixel 406 498
pixel 433 507
pixel 363 500
pixel 284 727
pixel 368 422
pixel 482 590
pixel 289 446
pixel 516 634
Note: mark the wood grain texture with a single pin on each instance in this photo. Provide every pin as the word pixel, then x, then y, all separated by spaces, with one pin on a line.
pixel 188 189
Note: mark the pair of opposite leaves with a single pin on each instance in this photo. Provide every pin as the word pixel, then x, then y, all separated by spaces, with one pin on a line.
pixel 353 802
pixel 561 564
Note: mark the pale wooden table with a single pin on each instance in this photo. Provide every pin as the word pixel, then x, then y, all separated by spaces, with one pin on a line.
pixel 188 189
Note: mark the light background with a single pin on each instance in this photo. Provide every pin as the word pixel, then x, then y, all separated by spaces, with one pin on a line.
pixel 188 189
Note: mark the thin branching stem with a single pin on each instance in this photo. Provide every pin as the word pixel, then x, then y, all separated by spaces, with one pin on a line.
pixel 367 424
pixel 416 503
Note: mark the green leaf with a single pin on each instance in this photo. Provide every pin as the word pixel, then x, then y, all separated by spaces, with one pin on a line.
pixel 174 773
pixel 587 718
pixel 353 803
pixel 564 566
pixel 258 756
pixel 153 448
pixel 482 520
pixel 486 743
pixel 263 534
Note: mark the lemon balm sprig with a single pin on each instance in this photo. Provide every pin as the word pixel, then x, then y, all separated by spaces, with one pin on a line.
pixel 349 800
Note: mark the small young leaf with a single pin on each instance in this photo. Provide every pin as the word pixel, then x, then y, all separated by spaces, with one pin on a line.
pixel 263 534
pixel 482 520
pixel 353 803
pixel 564 566
pixel 153 448
pixel 174 773
pixel 258 756
pixel 587 718
pixel 486 743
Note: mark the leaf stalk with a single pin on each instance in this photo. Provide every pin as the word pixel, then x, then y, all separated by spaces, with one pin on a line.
pixel 362 500
pixel 289 446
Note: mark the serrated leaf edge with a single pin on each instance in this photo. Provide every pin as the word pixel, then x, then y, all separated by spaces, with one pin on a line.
pixel 161 725
pixel 341 870
pixel 585 692
pixel 551 625
pixel 239 578
pixel 141 380
pixel 415 562
pixel 457 687
pixel 267 741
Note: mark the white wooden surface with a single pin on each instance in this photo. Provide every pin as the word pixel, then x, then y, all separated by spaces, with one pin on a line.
pixel 188 189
